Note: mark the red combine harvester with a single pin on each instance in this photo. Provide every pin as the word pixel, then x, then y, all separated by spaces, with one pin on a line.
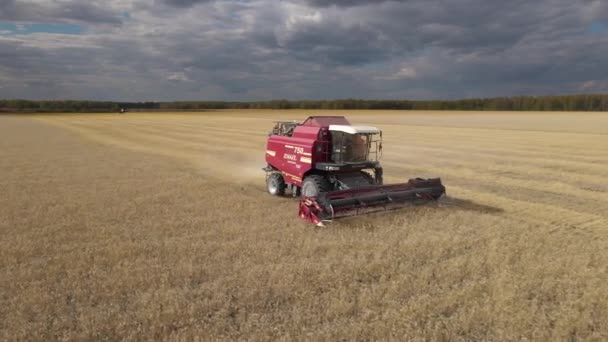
pixel 334 167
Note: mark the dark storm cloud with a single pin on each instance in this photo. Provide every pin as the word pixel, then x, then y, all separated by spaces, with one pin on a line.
pixel 482 44
pixel 24 11
pixel 265 49
pixel 334 43
pixel 184 3
pixel 391 30
pixel 343 3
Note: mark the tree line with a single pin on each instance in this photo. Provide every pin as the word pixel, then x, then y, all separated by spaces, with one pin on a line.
pixel 583 102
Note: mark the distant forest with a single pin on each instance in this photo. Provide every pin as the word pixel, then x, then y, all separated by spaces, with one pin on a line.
pixel 585 102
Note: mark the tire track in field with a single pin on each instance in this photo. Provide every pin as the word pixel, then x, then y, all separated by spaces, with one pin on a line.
pixel 452 149
pixel 547 196
pixel 236 151
pixel 499 166
pixel 495 149
pixel 445 161
pixel 526 149
pixel 526 211
pixel 212 161
pixel 475 137
pixel 195 141
pixel 482 170
pixel 235 148
pixel 588 148
pixel 441 153
pixel 238 134
pixel 582 123
pixel 562 187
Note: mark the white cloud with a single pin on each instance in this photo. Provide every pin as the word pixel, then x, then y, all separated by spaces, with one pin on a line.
pixel 407 73
pixel 594 86
pixel 179 77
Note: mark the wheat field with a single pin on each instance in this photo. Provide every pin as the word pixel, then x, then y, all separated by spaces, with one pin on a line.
pixel 157 226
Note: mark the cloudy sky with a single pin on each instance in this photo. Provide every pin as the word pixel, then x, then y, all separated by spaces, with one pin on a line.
pixel 159 50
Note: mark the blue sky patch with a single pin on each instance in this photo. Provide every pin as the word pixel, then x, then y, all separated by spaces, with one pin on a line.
pixel 12 28
pixel 598 28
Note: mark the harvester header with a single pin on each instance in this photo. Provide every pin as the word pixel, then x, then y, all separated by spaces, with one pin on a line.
pixel 334 167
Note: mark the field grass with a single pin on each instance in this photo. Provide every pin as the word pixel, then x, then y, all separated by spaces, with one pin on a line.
pixel 158 227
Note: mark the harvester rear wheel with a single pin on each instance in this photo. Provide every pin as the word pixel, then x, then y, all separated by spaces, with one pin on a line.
pixel 313 185
pixel 276 184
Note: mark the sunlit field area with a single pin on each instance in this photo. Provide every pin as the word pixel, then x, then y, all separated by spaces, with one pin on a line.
pixel 155 226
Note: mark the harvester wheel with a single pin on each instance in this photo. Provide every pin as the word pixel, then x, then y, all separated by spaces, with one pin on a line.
pixel 276 184
pixel 368 177
pixel 313 185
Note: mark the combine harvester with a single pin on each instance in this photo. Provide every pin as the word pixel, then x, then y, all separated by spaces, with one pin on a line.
pixel 334 167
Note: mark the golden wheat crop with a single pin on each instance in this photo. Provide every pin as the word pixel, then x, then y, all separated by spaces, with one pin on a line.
pixel 157 226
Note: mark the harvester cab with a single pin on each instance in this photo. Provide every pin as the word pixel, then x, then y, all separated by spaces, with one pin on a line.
pixel 351 144
pixel 335 168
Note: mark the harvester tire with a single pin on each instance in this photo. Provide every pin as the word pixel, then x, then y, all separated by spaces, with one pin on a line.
pixel 313 185
pixel 368 177
pixel 276 184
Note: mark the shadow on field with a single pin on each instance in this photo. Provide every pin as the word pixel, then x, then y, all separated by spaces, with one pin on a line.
pixel 380 218
pixel 467 205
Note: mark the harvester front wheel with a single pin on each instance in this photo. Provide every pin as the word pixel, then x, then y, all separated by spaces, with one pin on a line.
pixel 276 184
pixel 313 185
pixel 368 177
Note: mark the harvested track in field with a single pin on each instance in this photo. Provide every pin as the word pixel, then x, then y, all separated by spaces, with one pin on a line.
pixel 159 223
pixel 540 172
